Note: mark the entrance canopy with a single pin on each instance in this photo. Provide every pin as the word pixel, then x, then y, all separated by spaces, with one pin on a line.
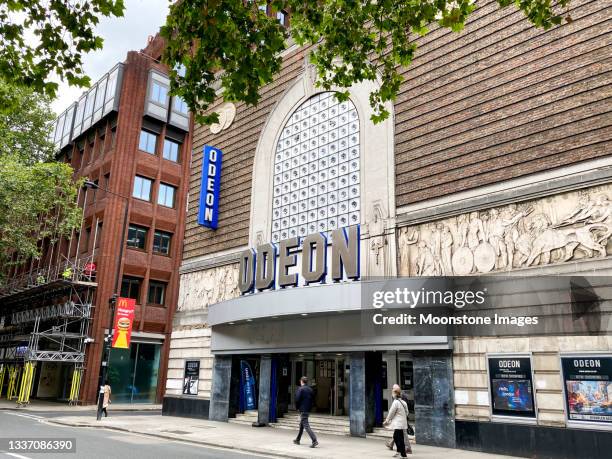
pixel 321 318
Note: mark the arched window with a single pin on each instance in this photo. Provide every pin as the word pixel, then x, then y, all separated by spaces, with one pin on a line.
pixel 316 169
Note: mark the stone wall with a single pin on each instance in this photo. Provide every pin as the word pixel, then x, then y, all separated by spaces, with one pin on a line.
pixel 190 339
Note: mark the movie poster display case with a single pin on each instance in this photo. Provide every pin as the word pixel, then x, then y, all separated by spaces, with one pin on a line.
pixel 587 389
pixel 511 389
pixel 191 377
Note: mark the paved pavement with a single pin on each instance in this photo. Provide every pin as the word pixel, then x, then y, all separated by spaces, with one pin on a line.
pixel 62 407
pixel 55 409
pixel 99 443
pixel 253 440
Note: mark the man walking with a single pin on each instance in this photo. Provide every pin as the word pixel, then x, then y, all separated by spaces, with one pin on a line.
pixel 303 402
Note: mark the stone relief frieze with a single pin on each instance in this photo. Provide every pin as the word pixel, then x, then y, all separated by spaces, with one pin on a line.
pixel 551 230
pixel 200 289
pixel 379 259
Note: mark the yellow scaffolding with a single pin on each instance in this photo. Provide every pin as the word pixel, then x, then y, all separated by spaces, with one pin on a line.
pixel 14 372
pixel 26 383
pixel 77 374
pixel 2 373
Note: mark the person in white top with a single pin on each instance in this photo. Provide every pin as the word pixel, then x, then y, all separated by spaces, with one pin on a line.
pixel 391 442
pixel 397 420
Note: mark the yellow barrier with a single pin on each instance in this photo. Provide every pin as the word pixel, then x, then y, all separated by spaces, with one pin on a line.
pixel 76 385
pixel 12 384
pixel 2 373
pixel 26 383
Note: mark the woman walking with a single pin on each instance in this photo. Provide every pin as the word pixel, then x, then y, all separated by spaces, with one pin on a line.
pixel 106 401
pixel 397 420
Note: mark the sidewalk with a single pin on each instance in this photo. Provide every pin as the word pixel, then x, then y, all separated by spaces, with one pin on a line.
pixel 259 440
pixel 40 405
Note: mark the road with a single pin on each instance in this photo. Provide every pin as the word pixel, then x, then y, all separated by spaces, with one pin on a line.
pixel 98 443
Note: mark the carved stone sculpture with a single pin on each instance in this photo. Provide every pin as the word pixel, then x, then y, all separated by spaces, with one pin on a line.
pixel 555 229
pixel 200 289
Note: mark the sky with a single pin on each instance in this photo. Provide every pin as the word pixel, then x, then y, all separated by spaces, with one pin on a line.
pixel 141 19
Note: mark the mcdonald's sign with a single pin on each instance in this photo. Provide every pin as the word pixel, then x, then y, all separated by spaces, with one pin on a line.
pixel 124 318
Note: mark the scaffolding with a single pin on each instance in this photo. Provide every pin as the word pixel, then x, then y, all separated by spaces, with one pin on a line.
pixel 55 332
pixel 48 308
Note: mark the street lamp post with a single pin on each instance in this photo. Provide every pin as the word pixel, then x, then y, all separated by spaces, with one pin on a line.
pixel 111 302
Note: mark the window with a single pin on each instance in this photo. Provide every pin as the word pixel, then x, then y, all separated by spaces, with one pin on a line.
pixel 282 16
pixel 90 103
pixel 98 235
pixel 159 93
pixel 161 242
pixel 111 88
pixel 130 287
pixel 107 181
pixel 142 188
pixel 101 141
pixel 147 142
pixel 73 247
pixel 94 191
pixel 85 241
pixel 179 105
pixel 91 151
pixel 165 196
pixel 137 237
pixel 79 158
pixel 157 292
pixel 100 95
pixel 316 188
pixel 171 150
pixel 113 137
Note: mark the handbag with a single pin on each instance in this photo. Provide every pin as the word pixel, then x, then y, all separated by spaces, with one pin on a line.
pixel 409 429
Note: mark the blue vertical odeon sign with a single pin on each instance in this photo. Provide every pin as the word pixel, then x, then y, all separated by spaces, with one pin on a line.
pixel 208 214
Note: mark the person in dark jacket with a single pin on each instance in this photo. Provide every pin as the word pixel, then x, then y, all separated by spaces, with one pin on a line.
pixel 304 399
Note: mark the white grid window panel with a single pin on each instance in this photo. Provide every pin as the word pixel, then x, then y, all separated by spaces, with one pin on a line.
pixel 316 169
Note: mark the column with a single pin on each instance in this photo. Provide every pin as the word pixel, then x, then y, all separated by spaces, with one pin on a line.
pixel 220 391
pixel 357 394
pixel 265 377
pixel 433 399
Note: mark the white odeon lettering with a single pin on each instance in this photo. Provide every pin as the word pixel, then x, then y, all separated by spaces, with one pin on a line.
pixel 209 187
pixel 509 364
pixel 301 261
pixel 587 363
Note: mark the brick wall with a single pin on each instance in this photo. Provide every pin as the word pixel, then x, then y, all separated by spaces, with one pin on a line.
pixel 500 100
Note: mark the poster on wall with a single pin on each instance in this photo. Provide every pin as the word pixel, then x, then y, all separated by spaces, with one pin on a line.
pixel 406 374
pixel 192 376
pixel 587 381
pixel 511 386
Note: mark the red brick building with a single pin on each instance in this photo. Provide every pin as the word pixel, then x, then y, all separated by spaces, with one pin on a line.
pixel 132 142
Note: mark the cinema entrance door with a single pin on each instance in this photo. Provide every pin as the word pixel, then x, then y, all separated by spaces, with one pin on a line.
pixel 328 375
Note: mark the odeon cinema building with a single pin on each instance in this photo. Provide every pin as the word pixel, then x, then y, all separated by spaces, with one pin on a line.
pixel 495 162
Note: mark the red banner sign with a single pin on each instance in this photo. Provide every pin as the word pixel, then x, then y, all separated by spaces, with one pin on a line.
pixel 124 318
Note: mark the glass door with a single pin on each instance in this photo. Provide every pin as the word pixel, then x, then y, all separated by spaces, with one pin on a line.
pixel 133 373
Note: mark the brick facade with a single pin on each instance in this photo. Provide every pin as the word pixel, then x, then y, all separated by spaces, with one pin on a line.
pixel 123 160
pixel 499 100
